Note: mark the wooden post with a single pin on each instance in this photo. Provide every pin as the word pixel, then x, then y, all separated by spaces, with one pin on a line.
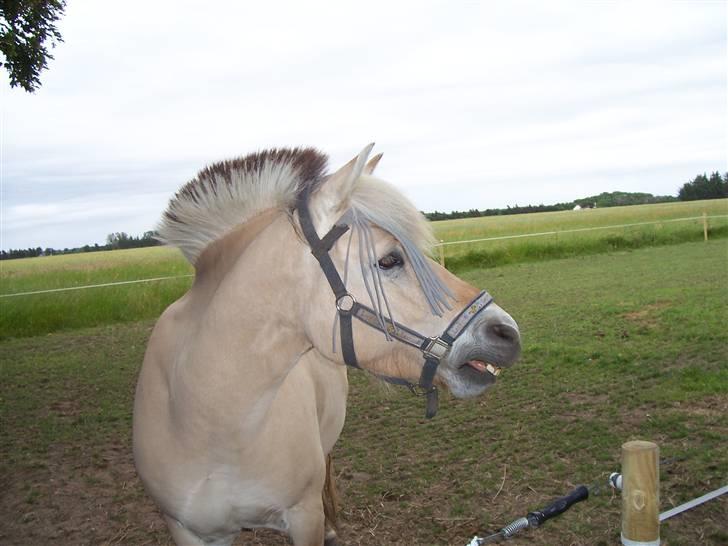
pixel 442 253
pixel 640 494
pixel 705 225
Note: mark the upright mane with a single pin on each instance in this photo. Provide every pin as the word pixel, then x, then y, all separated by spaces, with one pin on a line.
pixel 229 193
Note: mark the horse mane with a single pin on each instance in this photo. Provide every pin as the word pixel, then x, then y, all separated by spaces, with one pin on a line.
pixel 229 193
pixel 226 194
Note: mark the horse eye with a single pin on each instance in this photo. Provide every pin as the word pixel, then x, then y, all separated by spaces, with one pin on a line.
pixel 393 259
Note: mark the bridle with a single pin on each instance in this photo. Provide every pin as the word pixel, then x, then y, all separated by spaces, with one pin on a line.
pixel 433 349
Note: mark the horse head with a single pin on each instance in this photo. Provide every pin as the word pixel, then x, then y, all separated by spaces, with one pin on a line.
pixel 375 244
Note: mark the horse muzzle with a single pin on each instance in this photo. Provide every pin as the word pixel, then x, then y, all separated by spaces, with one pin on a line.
pixel 490 343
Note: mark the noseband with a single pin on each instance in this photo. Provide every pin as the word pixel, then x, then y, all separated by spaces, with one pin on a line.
pixel 433 349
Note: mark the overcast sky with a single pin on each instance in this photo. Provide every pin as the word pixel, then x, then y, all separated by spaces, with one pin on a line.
pixel 474 104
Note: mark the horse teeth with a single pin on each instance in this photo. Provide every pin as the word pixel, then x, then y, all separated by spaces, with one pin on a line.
pixel 493 369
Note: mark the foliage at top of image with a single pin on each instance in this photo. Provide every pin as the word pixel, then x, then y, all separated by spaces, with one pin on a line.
pixel 27 27
pixel 702 187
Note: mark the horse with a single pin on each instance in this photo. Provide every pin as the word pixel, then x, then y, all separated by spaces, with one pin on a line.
pixel 242 392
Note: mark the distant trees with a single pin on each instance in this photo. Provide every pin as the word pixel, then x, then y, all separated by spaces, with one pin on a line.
pixel 702 187
pixel 606 199
pixel 621 199
pixel 114 241
pixel 475 213
pixel 21 253
pixel 26 29
pixel 119 240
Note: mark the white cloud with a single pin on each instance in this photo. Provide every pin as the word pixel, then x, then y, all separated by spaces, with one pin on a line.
pixel 474 104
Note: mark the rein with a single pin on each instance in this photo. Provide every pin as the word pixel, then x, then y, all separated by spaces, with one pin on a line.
pixel 433 349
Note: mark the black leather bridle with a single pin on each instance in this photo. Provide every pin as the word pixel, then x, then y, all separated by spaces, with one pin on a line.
pixel 433 349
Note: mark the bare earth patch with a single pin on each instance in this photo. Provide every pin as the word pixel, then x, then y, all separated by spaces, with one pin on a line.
pixel 646 316
pixel 79 496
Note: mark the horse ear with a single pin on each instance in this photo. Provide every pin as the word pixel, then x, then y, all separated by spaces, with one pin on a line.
pixel 333 196
pixel 372 164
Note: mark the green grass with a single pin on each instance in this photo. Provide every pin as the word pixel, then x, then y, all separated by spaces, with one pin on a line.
pixel 66 270
pixel 43 313
pixel 519 224
pixel 617 346
pixel 530 247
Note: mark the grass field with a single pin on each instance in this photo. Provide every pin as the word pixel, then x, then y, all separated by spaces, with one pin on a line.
pixel 595 236
pixel 44 313
pixel 518 224
pixel 617 346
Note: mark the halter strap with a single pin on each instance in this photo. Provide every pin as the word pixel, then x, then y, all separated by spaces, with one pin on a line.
pixel 433 348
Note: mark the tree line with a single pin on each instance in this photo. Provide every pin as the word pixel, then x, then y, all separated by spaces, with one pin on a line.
pixel 702 186
pixel 114 241
pixel 606 199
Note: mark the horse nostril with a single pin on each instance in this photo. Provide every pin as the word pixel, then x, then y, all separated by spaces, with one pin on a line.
pixel 505 332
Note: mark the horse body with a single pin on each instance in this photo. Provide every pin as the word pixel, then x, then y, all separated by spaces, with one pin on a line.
pixel 242 394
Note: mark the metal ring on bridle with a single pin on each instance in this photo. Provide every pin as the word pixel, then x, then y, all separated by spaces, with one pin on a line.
pixel 418 390
pixel 343 300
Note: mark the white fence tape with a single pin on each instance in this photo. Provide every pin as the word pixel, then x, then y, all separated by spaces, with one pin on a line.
pixel 92 286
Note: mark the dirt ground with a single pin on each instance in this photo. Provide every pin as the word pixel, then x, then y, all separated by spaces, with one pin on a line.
pixel 93 497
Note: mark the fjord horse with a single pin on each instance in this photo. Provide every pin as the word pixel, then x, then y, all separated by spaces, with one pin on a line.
pixel 242 393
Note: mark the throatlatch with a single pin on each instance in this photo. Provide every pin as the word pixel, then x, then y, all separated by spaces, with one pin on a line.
pixel 433 349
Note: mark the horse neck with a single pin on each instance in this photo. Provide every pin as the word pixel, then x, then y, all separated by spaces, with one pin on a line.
pixel 245 337
pixel 217 260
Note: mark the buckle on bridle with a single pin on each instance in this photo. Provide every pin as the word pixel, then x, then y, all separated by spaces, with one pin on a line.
pixel 436 349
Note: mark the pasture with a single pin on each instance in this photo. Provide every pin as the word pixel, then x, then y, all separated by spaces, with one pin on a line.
pixel 617 346
pixel 44 313
pixel 583 232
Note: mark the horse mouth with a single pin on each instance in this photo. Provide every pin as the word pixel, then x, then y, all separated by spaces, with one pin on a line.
pixel 480 369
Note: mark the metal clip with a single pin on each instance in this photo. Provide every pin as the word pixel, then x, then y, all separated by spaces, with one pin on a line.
pixel 436 349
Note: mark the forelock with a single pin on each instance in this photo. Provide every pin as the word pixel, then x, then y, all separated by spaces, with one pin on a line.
pixel 386 207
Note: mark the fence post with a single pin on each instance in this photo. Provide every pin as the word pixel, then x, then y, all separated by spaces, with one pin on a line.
pixel 442 253
pixel 705 225
pixel 640 494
